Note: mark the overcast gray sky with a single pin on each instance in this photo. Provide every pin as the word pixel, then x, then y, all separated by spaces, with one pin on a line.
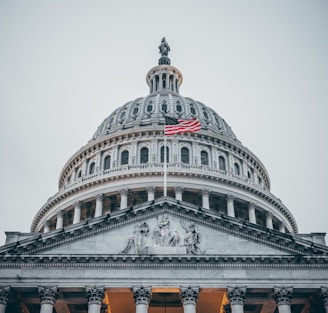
pixel 66 65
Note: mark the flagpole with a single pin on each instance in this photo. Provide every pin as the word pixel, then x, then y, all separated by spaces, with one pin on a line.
pixel 165 163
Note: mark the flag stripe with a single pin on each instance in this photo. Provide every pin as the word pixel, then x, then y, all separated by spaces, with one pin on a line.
pixel 184 126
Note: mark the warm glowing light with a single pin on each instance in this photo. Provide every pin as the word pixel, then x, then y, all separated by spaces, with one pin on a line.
pixel 165 290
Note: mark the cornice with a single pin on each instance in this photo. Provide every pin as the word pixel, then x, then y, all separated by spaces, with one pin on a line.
pixel 243 229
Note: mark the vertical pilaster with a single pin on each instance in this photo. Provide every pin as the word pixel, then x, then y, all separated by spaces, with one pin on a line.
pixel 206 199
pixel 189 297
pixel 283 298
pixel 324 294
pixel 268 217
pixel 99 205
pixel 4 297
pixel 230 206
pixel 48 296
pixel 77 212
pixel 94 295
pixel 142 297
pixel 124 198
pixel 60 220
pixel 178 193
pixel 236 296
pixel 151 193
pixel 251 213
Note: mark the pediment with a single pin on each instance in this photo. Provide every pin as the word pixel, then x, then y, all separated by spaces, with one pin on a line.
pixel 164 227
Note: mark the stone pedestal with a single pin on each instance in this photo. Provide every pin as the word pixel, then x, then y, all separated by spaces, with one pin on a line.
pixel 142 298
pixel 189 297
pixel 236 296
pixel 94 296
pixel 48 296
pixel 4 297
pixel 283 297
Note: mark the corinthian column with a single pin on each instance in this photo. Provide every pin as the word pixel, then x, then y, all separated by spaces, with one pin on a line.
pixel 60 220
pixel 283 298
pixel 324 294
pixel 205 199
pixel 94 296
pixel 151 193
pixel 142 298
pixel 77 212
pixel 236 296
pixel 4 296
pixel 251 213
pixel 48 296
pixel 124 199
pixel 189 297
pixel 230 206
pixel 178 193
pixel 99 205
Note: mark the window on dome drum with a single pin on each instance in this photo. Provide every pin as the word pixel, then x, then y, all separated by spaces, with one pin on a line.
pixel 185 156
pixel 164 107
pixel 249 175
pixel 204 157
pixel 222 164
pixel 236 169
pixel 107 162
pixel 178 107
pixel 192 110
pixel 125 157
pixel 92 168
pixel 122 115
pixel 135 110
pixel 144 155
pixel 162 154
pixel 79 174
pixel 205 115
pixel 149 108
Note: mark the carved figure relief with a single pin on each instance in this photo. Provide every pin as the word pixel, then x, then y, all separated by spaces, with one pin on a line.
pixel 163 237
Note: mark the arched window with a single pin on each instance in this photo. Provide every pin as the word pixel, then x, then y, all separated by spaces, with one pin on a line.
pixel 222 164
pixel 79 174
pixel 144 155
pixel 92 168
pixel 125 157
pixel 107 162
pixel 249 175
pixel 236 169
pixel 204 157
pixel 167 154
pixel 185 155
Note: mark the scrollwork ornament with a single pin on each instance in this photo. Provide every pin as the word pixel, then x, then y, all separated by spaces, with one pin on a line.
pixel 48 294
pixel 4 294
pixel 189 295
pixel 283 295
pixel 94 294
pixel 324 295
pixel 236 295
pixel 141 295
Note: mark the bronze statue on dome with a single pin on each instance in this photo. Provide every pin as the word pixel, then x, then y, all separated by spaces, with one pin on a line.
pixel 164 48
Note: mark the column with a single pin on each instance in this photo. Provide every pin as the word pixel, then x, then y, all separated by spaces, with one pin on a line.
pixel 124 199
pixel 206 199
pixel 94 295
pixel 60 220
pixel 283 298
pixel 4 297
pixel 178 193
pixel 269 223
pixel 236 296
pixel 99 205
pixel 282 227
pixel 230 206
pixel 324 294
pixel 46 228
pixel 77 212
pixel 142 298
pixel 189 297
pixel 48 296
pixel 251 213
pixel 151 193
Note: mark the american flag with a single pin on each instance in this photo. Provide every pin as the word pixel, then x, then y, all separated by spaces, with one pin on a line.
pixel 178 126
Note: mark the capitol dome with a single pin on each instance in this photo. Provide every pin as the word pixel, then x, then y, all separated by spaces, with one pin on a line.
pixel 122 165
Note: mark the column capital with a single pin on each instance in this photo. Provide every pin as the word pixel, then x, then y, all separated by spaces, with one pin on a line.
pixel 4 294
pixel 205 192
pixel 151 189
pixel 78 204
pixel 94 294
pixel 141 295
pixel 100 197
pixel 124 192
pixel 268 213
pixel 251 205
pixel 324 295
pixel 189 295
pixel 236 295
pixel 60 213
pixel 48 294
pixel 230 197
pixel 283 295
pixel 178 189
